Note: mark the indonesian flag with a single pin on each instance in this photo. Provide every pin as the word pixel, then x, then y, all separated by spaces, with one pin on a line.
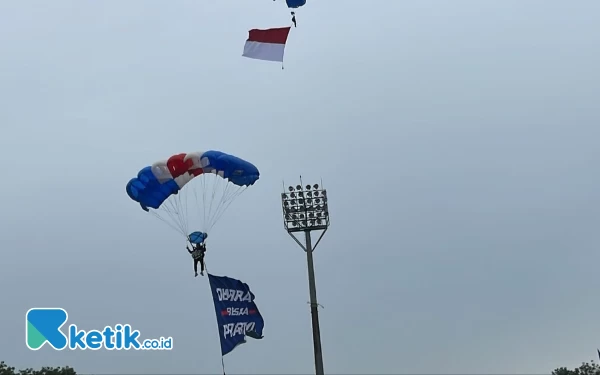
pixel 266 44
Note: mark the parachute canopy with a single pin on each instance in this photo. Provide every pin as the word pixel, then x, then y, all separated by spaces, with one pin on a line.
pixel 295 3
pixel 197 237
pixel 154 184
pixel 219 178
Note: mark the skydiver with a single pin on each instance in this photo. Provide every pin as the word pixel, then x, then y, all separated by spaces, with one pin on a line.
pixel 197 253
pixel 294 18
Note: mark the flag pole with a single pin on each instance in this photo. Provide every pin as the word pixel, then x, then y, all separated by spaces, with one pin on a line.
pixel 282 60
pixel 222 359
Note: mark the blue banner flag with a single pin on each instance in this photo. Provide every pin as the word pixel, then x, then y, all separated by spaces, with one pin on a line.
pixel 237 314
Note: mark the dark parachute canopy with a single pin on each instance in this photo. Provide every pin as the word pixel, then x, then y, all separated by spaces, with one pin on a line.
pixel 294 4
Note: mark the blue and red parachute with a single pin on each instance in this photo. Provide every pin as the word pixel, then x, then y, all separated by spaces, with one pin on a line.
pixel 163 188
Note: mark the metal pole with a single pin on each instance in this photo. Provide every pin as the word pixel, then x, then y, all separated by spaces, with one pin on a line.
pixel 314 306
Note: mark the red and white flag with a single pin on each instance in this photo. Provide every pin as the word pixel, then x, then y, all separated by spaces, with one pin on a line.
pixel 266 44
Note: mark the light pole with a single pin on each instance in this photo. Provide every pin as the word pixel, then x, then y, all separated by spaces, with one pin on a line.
pixel 305 210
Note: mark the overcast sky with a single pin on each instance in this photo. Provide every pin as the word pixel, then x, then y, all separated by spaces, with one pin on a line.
pixel 458 141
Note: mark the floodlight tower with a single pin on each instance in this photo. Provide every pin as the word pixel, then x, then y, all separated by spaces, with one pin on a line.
pixel 305 210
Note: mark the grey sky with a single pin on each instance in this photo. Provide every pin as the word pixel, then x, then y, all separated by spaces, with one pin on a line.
pixel 471 128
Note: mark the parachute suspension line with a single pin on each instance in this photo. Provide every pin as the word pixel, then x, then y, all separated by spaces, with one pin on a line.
pixel 201 202
pixel 185 206
pixel 205 216
pixel 180 211
pixel 217 204
pixel 198 202
pixel 228 201
pixel 227 198
pixel 204 198
pixel 176 213
pixel 219 209
pixel 167 222
pixel 168 211
pixel 214 192
pixel 174 210
pixel 171 210
pixel 175 204
pixel 222 357
pixel 203 183
pixel 186 216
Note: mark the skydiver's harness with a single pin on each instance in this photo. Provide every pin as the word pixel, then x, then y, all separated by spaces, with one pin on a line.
pixel 197 254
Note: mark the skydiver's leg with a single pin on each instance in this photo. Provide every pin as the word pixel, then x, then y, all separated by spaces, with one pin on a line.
pixel 196 266
pixel 202 266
